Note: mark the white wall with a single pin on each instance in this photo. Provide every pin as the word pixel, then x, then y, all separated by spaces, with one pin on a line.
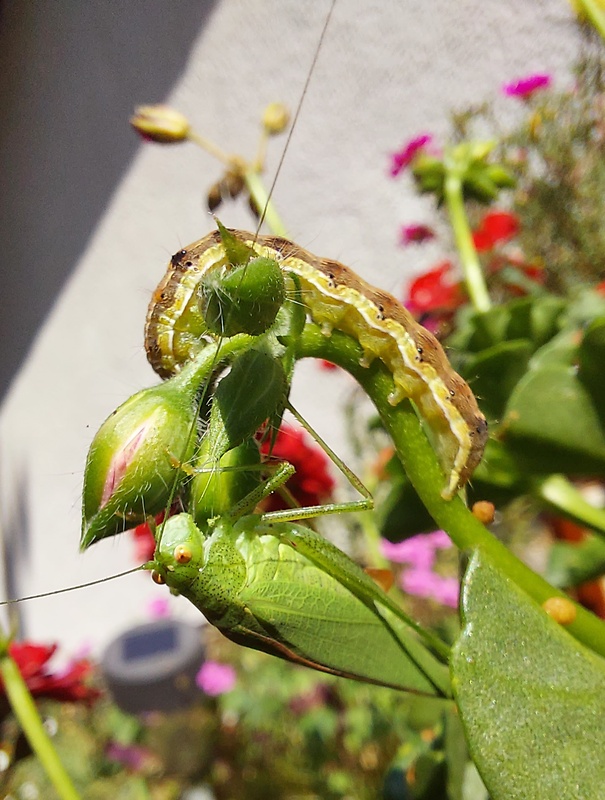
pixel 89 206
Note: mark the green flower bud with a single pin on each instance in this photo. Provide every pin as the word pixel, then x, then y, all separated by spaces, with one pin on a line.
pixel 501 176
pixel 216 489
pixel 160 124
pixel 242 300
pixel 134 461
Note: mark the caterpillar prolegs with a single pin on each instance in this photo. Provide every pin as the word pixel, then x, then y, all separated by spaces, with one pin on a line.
pixel 336 299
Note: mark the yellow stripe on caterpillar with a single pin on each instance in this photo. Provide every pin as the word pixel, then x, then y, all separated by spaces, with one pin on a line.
pixel 337 299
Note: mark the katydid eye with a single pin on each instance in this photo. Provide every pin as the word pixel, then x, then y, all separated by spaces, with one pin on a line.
pixel 182 554
pixel 156 577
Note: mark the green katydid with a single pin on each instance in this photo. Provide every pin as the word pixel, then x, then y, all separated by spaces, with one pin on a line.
pixel 280 587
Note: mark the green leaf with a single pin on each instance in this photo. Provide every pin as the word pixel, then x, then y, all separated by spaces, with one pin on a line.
pixel 551 424
pixel 591 357
pixel 252 392
pixel 530 696
pixel 495 371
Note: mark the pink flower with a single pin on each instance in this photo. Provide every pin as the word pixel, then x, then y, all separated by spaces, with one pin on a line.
pixel 403 157
pixel 214 678
pixel 525 87
pixel 418 551
pixel 159 608
pixel 416 234
pixel 424 583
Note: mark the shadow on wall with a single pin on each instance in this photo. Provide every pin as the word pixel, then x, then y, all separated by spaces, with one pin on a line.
pixel 70 75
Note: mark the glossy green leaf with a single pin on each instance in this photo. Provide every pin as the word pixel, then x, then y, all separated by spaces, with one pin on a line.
pixel 552 425
pixel 530 696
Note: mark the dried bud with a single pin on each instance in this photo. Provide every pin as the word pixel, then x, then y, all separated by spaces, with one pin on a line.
pixel 215 196
pixel 275 118
pixel 160 124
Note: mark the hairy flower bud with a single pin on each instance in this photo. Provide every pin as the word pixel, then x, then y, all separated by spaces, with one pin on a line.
pixel 275 118
pixel 134 461
pixel 160 124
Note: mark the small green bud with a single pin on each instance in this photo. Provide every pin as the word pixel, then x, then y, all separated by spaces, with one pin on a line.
pixel 242 300
pixel 135 459
pixel 501 176
pixel 275 118
pixel 160 124
pixel 216 489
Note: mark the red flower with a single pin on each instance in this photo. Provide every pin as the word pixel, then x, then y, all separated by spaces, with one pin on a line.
pixel 403 157
pixel 144 540
pixel 311 484
pixel 496 227
pixel 434 291
pixel 69 685
pixel 525 87
pixel 416 234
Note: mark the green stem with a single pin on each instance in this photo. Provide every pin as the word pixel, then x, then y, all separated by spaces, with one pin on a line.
pixel 422 467
pixel 560 495
pixel 258 192
pixel 26 712
pixel 473 274
pixel 594 12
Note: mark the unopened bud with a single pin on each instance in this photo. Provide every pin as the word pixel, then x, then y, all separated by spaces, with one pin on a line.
pixel 133 462
pixel 276 118
pixel 160 124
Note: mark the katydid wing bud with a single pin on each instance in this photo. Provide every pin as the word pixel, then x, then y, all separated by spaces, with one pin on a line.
pixel 136 457
pixel 245 299
pixel 160 124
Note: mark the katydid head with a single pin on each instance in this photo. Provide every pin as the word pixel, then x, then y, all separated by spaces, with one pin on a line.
pixel 179 553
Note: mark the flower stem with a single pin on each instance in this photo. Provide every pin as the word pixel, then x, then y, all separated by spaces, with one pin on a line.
pixel 26 712
pixel 594 12
pixel 210 147
pixel 473 274
pixel 423 470
pixel 560 495
pixel 258 192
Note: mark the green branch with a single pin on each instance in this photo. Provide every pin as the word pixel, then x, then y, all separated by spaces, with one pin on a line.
pixel 422 467
pixel 25 710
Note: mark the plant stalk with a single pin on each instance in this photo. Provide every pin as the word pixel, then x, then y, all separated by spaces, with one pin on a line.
pixel 25 710
pixel 473 274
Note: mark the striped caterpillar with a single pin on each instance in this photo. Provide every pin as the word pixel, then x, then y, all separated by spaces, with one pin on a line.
pixel 336 299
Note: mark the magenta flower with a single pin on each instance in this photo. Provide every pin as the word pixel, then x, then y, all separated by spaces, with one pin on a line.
pixel 214 678
pixel 525 87
pixel 403 157
pixel 416 234
pixel 424 583
pixel 159 608
pixel 419 552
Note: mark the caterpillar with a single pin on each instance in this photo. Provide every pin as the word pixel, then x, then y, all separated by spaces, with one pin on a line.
pixel 336 299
